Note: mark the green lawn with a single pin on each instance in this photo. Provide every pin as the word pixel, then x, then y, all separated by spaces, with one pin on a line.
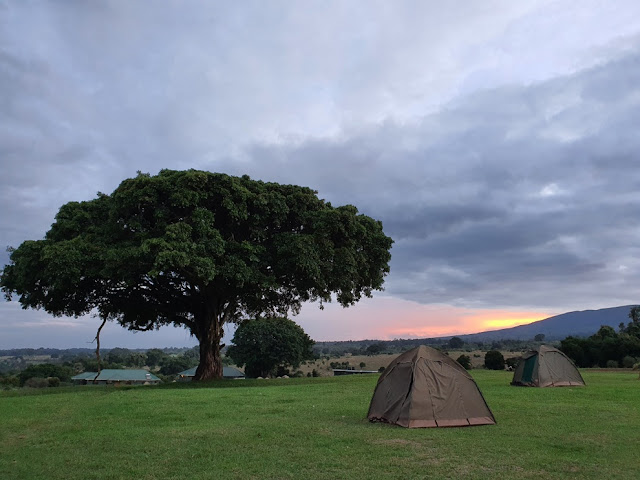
pixel 316 429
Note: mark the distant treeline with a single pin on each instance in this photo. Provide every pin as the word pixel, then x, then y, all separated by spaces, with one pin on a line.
pixel 396 346
pixel 53 367
pixel 607 348
pixel 58 352
pixel 52 352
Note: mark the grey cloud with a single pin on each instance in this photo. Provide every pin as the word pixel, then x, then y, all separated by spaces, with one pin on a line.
pixel 495 197
pixel 524 193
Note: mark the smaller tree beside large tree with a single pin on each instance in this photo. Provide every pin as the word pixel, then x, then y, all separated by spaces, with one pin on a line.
pixel 262 345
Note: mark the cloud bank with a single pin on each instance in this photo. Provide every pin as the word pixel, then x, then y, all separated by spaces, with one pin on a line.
pixel 496 141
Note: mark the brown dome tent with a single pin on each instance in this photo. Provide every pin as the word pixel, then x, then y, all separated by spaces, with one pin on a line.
pixel 546 367
pixel 425 388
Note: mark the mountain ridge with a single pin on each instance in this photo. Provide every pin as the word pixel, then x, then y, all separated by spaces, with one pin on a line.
pixel 580 323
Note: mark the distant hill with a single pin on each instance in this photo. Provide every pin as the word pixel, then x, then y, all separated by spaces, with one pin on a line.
pixel 578 324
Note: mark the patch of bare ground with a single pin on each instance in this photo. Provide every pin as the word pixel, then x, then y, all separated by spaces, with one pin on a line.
pixel 374 362
pixel 371 362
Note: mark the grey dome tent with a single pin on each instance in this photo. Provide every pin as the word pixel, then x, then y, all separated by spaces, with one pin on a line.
pixel 425 388
pixel 546 367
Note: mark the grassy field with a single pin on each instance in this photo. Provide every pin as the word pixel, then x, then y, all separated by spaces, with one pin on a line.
pixel 315 428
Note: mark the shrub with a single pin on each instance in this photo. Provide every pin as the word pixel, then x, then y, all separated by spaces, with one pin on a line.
pixel 493 360
pixel 53 381
pixel 628 361
pixel 173 365
pixel 612 364
pixel 465 361
pixel 36 382
pixel 374 349
pixel 165 378
pixel 512 361
pixel 362 364
pixel 381 369
pixel 9 382
pixel 340 365
pixel 45 370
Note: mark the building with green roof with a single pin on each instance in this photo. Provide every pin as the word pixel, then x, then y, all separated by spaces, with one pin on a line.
pixel 227 372
pixel 116 377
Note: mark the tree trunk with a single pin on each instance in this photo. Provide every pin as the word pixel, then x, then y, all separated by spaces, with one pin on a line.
pixel 209 333
pixel 97 339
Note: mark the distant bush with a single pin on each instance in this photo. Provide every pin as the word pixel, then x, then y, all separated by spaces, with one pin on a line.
pixel 612 364
pixel 374 349
pixel 465 361
pixel 493 360
pixel 45 370
pixel 173 365
pixel 9 382
pixel 381 369
pixel 53 381
pixel 165 378
pixel 362 364
pixel 36 382
pixel 340 365
pixel 314 373
pixel 628 361
pixel 155 356
pixel 512 361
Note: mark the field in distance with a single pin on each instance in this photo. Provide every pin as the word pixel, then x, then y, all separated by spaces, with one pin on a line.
pixel 374 362
pixel 304 428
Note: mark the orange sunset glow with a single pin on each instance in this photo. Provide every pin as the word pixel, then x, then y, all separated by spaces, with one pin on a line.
pixel 386 318
pixel 497 319
pixel 459 321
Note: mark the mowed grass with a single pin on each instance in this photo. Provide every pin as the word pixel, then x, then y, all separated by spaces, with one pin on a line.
pixel 315 428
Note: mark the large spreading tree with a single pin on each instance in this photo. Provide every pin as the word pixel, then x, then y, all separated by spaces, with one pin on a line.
pixel 198 250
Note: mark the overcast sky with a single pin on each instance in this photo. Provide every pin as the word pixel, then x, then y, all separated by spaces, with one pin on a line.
pixel 496 140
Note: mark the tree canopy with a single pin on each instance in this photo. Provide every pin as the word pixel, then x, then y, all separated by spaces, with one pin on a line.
pixel 263 345
pixel 607 345
pixel 199 250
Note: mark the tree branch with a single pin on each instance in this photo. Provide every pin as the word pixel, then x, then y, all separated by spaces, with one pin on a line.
pixel 97 339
